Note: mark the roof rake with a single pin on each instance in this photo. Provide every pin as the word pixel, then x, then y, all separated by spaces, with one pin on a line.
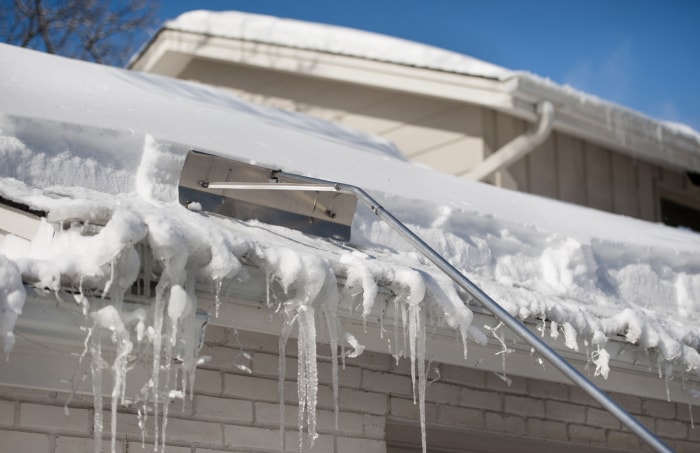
pixel 324 208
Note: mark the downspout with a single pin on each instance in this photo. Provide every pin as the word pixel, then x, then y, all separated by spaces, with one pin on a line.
pixel 517 148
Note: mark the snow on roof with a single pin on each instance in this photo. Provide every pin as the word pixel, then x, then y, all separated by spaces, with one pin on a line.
pixel 106 145
pixel 331 39
pixel 85 126
pixel 374 46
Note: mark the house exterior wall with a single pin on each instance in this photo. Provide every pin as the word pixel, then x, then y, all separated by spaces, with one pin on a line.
pixel 233 411
pixel 454 136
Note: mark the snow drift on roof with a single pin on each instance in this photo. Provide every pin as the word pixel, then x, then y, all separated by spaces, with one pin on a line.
pixel 106 146
pixel 331 39
pixel 600 274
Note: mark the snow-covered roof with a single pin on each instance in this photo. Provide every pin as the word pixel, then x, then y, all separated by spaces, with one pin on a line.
pixel 330 39
pixel 108 145
pixel 577 113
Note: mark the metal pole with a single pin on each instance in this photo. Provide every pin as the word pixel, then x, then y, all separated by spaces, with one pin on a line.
pixel 499 312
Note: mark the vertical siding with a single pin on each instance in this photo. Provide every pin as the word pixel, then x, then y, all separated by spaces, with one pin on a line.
pixel 507 128
pixel 624 185
pixel 647 175
pixel 542 168
pixel 454 137
pixel 598 177
pixel 571 169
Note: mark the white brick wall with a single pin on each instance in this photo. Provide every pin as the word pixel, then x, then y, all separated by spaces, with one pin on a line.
pixel 233 411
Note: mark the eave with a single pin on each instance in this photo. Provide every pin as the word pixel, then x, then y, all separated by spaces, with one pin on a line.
pixel 577 114
pixel 50 334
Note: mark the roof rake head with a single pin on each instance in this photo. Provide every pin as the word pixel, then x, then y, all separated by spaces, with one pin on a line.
pixel 244 191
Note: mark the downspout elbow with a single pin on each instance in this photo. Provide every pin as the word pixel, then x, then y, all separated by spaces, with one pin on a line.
pixel 517 148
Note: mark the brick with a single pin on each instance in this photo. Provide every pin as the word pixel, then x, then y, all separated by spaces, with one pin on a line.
pixel 254 342
pixel 463 376
pixel 672 429
pixel 547 429
pixel 355 445
pixel 578 396
pixel 372 360
pixel 243 437
pixel 517 384
pixel 440 392
pixel 136 447
pixel 217 408
pixel 14 441
pixel 659 409
pixel 685 447
pixel 548 390
pixel 268 415
pixel 349 376
pixel 323 444
pixel 249 387
pixel 221 358
pixel 208 382
pixel 521 405
pixel 686 412
pixel 601 418
pixel 404 408
pixel 480 399
pixel 461 416
pixel 392 384
pixel 694 433
pixel 618 439
pixel 403 367
pixel 586 435
pixel 194 432
pixel 84 445
pixel 7 413
pixel 178 430
pixel 374 426
pixel 348 423
pixel 268 365
pixel 558 411
pixel 510 424
pixel 216 335
pixel 631 403
pixel 54 418
pixel 369 402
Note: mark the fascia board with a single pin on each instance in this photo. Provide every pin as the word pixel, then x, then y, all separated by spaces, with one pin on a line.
pixel 607 124
pixel 49 334
pixel 632 370
pixel 378 74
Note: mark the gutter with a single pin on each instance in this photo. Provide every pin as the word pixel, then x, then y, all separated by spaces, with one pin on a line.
pixel 517 148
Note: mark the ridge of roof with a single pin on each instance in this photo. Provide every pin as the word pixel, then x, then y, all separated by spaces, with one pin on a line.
pixel 332 39
pixel 374 46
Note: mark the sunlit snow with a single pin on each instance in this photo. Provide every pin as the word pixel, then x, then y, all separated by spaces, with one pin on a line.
pixel 101 149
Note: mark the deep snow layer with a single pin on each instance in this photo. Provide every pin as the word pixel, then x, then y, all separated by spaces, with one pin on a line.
pixel 106 146
pixel 85 126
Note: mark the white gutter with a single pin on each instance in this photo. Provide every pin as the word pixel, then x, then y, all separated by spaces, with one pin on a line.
pixel 517 148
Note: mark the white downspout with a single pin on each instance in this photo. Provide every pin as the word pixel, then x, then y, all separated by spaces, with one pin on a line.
pixel 518 147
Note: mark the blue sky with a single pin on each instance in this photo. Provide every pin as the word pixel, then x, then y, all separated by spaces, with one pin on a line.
pixel 643 54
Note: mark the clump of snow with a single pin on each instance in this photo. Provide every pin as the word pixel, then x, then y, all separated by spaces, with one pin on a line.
pixel 12 296
pixel 330 38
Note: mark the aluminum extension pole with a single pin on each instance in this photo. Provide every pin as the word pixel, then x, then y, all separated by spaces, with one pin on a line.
pixel 499 312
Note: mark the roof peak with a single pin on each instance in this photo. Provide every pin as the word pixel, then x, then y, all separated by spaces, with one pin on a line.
pixel 332 39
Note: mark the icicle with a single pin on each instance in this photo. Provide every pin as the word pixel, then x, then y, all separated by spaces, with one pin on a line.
pixel 96 368
pixel 218 283
pixel 503 352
